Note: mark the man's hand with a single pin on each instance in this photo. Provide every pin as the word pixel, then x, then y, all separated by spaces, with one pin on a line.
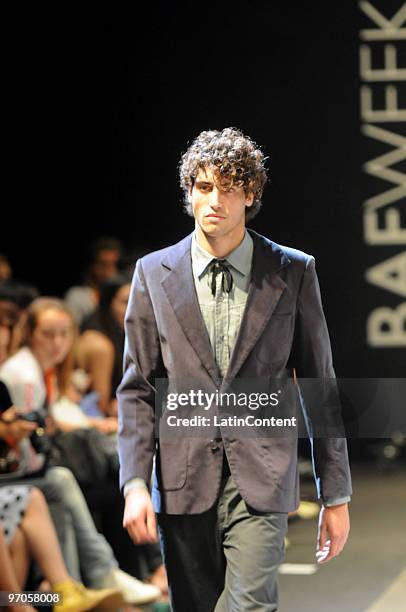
pixel 334 527
pixel 139 517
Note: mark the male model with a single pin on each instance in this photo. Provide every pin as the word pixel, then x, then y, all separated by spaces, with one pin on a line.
pixel 224 304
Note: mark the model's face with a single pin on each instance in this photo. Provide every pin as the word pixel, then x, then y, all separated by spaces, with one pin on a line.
pixel 218 212
pixel 53 337
pixel 119 304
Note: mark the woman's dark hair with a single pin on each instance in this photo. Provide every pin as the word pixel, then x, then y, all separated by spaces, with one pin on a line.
pixel 19 293
pixel 103 321
pixel 109 290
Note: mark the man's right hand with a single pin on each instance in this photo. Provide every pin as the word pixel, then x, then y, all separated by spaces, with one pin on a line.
pixel 139 517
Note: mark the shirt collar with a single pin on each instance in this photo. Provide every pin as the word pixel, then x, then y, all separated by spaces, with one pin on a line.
pixel 240 258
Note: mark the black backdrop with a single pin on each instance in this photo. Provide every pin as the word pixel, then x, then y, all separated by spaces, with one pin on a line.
pixel 104 99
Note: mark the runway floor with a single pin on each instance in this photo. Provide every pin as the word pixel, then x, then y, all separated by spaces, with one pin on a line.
pixel 370 575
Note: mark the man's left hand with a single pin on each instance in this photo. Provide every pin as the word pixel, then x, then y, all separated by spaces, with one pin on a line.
pixel 334 527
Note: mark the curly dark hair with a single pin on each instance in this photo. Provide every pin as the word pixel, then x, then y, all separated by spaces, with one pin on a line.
pixel 237 161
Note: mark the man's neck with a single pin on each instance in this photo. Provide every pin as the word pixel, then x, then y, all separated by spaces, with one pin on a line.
pixel 220 246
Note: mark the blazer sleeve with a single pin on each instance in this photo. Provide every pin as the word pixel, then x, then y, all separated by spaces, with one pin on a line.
pixel 318 393
pixel 136 392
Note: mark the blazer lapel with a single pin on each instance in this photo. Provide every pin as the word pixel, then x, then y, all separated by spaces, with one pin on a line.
pixel 265 291
pixel 180 290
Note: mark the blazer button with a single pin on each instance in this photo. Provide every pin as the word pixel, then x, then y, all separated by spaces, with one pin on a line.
pixel 214 445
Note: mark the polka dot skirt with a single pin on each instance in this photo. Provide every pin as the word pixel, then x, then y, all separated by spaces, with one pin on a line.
pixel 13 503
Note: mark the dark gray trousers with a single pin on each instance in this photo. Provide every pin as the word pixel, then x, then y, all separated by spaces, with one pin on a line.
pixel 226 559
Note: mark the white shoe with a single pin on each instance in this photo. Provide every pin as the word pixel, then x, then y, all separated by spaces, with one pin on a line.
pixel 134 591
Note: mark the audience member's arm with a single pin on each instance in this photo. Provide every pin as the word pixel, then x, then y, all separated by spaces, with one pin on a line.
pixel 107 425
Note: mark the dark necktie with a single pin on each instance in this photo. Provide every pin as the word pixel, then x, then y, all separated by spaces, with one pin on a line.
pixel 215 267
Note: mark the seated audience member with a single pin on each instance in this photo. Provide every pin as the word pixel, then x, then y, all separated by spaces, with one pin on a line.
pixel 103 263
pixel 35 376
pixel 99 349
pixel 26 530
pixel 104 498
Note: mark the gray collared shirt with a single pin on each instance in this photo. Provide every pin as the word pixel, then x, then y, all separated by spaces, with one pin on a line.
pixel 222 313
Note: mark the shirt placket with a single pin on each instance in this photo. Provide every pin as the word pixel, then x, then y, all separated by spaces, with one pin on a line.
pixel 221 326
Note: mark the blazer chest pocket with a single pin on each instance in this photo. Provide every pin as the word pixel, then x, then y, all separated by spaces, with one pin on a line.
pixel 276 340
pixel 172 464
